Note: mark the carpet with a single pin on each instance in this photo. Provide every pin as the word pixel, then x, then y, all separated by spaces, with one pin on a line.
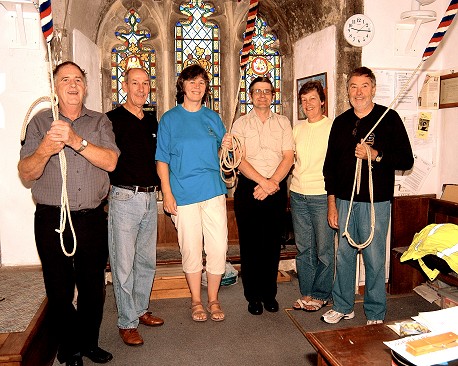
pixel 21 294
pixel 399 307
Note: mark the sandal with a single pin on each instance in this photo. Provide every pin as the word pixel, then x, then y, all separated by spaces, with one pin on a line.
pixel 314 305
pixel 300 304
pixel 198 313
pixel 214 308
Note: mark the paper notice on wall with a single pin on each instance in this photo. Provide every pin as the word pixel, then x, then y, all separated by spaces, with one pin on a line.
pixel 408 98
pixel 413 180
pixel 429 94
pixel 389 85
pixel 423 127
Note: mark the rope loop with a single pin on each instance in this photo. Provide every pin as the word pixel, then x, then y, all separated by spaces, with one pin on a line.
pixel 229 160
pixel 356 183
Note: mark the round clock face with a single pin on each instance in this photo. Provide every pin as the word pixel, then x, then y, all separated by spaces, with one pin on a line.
pixel 358 30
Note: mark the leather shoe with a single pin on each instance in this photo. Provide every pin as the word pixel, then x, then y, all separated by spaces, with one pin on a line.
pixel 131 337
pixel 75 360
pixel 150 320
pixel 255 307
pixel 271 305
pixel 98 355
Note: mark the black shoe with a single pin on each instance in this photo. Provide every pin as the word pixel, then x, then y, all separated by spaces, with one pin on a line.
pixel 255 307
pixel 75 360
pixel 271 305
pixel 98 355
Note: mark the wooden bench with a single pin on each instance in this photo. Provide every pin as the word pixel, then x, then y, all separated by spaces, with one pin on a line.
pixel 32 347
pixel 409 215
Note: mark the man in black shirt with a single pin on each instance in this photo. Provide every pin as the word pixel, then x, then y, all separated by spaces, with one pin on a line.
pixel 132 217
pixel 388 149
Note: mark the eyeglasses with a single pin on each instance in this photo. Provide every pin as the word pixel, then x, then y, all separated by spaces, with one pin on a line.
pixel 355 130
pixel 262 91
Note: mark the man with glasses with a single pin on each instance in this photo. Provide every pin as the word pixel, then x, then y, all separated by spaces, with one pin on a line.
pixel 388 148
pixel 260 198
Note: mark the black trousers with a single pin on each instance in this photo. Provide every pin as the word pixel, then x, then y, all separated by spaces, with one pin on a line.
pixel 76 329
pixel 260 226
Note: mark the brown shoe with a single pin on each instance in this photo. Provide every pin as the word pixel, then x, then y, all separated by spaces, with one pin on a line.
pixel 131 337
pixel 149 319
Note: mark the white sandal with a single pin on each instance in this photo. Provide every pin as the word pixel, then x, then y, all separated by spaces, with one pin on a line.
pixel 302 304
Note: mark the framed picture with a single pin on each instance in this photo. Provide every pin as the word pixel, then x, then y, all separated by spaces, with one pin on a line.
pixel 318 77
pixel 448 97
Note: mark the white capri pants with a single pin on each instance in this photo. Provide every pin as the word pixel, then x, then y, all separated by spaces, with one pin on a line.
pixel 203 225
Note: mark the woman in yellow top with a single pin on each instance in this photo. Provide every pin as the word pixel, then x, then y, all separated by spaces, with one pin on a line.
pixel 314 237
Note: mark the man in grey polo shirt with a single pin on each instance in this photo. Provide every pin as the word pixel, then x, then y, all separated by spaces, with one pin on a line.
pixel 89 144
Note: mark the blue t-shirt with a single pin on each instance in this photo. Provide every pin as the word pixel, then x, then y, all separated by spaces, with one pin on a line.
pixel 188 142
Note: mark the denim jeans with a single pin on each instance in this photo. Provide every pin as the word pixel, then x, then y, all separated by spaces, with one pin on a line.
pixel 315 244
pixel 132 237
pixel 359 228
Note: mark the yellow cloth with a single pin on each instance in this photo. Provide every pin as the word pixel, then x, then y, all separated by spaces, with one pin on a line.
pixel 437 239
pixel 311 141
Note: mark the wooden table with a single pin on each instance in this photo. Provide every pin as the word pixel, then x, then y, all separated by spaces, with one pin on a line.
pixel 353 346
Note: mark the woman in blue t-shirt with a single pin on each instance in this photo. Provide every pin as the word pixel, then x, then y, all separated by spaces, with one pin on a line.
pixel 189 138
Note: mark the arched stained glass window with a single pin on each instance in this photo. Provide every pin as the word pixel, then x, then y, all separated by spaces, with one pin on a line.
pixel 264 60
pixel 197 42
pixel 133 52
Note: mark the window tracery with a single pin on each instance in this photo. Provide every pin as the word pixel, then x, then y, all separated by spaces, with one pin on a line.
pixel 134 51
pixel 264 60
pixel 197 41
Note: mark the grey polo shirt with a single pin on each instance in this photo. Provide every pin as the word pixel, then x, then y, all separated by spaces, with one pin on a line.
pixel 87 185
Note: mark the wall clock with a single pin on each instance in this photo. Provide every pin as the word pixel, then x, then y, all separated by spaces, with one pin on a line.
pixel 359 30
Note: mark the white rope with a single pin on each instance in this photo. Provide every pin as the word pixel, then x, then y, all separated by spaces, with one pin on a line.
pixel 357 180
pixel 64 204
pixel 229 160
pixel 356 184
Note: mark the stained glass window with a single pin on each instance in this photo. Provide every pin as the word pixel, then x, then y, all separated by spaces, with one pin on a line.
pixel 264 60
pixel 133 52
pixel 197 42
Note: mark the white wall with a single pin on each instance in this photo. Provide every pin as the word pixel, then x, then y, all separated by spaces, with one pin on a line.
pixel 388 51
pixel 87 55
pixel 313 55
pixel 23 79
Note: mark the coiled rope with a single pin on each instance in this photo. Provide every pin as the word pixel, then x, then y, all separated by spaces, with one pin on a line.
pixel 229 160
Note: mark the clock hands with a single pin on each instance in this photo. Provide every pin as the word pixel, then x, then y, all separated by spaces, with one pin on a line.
pixel 361 29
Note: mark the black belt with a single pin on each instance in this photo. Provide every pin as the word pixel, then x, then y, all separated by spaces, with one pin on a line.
pixel 82 212
pixel 139 188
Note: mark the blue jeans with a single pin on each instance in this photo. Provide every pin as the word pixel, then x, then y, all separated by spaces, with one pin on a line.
pixel 359 228
pixel 315 244
pixel 132 237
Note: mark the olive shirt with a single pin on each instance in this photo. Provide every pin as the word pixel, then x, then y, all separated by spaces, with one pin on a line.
pixel 264 143
pixel 87 185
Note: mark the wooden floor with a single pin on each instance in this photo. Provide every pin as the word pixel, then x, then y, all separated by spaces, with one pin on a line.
pixel 33 347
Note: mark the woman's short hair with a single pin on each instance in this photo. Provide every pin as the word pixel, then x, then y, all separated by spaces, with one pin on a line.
pixel 312 85
pixel 190 73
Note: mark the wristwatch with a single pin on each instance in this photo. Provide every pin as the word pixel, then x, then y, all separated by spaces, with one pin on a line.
pixel 379 157
pixel 83 145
